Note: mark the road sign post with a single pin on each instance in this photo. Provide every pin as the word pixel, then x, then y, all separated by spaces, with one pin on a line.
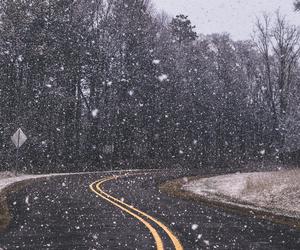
pixel 18 140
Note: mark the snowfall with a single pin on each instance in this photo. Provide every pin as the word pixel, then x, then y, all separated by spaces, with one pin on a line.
pixel 276 192
pixel 8 178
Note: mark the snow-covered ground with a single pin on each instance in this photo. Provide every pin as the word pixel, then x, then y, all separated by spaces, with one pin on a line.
pixel 8 178
pixel 277 192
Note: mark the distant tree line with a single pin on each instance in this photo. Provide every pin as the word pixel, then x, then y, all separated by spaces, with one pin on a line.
pixel 111 84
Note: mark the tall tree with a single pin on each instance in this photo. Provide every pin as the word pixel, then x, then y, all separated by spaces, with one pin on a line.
pixel 278 44
pixel 297 5
pixel 182 29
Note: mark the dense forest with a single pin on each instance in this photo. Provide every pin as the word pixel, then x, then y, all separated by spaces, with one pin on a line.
pixel 113 84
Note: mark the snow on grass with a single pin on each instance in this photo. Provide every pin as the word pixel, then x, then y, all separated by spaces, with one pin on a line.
pixel 275 191
pixel 8 178
pixel 6 174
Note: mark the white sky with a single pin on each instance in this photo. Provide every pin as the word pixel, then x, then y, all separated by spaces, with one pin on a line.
pixel 232 16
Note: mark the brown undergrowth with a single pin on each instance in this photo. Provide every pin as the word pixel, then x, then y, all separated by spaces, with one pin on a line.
pixel 5 216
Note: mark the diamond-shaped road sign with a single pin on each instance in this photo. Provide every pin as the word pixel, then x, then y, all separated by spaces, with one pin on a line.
pixel 19 138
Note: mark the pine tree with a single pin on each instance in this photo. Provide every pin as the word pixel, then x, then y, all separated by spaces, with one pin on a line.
pixel 182 29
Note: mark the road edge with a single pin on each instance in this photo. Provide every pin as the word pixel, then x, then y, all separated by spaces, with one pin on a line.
pixel 17 184
pixel 174 188
pixel 5 216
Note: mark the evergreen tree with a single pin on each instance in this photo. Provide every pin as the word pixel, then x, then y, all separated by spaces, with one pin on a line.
pixel 182 29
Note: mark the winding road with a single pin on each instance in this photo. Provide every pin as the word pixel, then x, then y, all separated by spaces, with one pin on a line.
pixel 126 210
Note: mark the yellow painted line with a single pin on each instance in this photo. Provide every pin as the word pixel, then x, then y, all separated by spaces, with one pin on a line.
pixel 173 238
pixel 157 238
pixel 171 235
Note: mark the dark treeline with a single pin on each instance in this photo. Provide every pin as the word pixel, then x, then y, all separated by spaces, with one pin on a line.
pixel 108 83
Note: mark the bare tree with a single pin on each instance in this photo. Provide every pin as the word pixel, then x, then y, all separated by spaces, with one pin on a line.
pixel 285 44
pixel 262 40
pixel 278 45
pixel 297 5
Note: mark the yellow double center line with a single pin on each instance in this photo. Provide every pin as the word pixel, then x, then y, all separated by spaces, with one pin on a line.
pixel 96 188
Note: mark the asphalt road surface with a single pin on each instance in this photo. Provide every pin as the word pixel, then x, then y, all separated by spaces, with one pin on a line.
pixel 127 211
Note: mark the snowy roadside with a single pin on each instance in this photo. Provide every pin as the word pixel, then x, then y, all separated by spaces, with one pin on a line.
pixel 8 178
pixel 277 192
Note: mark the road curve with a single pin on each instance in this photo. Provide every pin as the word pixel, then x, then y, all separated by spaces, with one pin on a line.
pixel 138 214
pixel 64 213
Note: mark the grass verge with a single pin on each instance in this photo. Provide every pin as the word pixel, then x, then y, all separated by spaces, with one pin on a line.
pixel 4 213
pixel 5 216
pixel 174 189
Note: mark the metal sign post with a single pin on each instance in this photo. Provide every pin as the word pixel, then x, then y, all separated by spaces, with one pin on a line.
pixel 18 140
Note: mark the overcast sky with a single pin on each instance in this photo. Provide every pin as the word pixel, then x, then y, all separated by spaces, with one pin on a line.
pixel 233 16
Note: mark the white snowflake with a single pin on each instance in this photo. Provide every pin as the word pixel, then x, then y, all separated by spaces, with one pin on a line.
pixel 20 58
pixel 156 61
pixel 206 242
pixel 163 77
pixel 95 112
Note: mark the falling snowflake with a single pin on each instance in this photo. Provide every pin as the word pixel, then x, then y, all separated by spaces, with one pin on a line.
pixel 20 58
pixel 206 242
pixel 156 61
pixel 163 77
pixel 95 113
